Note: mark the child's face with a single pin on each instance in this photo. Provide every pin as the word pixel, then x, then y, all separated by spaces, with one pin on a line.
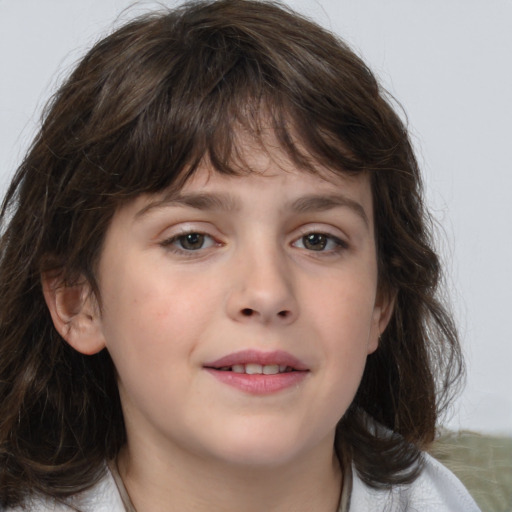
pixel 274 268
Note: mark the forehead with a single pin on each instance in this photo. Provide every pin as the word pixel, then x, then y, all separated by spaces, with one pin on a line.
pixel 259 169
pixel 283 179
pixel 269 182
pixel 262 156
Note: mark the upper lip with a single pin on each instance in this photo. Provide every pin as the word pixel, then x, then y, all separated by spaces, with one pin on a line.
pixel 276 357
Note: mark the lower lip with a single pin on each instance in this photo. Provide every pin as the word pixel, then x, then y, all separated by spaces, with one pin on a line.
pixel 259 384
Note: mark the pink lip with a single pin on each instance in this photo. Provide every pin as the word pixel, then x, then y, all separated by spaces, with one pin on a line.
pixel 279 357
pixel 258 384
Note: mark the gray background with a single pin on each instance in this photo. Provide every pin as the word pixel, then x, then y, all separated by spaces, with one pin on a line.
pixel 448 62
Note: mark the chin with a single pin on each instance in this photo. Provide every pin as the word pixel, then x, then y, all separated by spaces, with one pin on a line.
pixel 262 449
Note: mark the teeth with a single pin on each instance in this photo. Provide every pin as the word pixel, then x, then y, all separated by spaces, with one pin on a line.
pixel 270 369
pixel 252 369
pixel 258 369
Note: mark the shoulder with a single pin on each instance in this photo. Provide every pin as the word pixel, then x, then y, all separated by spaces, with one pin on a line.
pixel 435 490
pixel 102 497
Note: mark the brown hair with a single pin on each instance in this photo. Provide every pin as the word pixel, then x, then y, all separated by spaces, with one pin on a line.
pixel 139 113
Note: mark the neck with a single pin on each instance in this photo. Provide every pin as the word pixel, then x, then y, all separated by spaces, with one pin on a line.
pixel 159 483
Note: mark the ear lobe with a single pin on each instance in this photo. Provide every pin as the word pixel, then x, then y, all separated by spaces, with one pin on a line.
pixel 386 302
pixel 75 313
pixel 382 312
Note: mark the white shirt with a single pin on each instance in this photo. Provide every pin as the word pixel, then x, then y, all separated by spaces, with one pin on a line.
pixel 435 490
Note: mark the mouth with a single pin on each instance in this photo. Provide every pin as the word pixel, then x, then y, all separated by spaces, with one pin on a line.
pixel 255 362
pixel 259 373
pixel 256 369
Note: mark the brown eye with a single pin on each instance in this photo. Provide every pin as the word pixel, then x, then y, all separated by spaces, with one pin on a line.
pixel 315 241
pixel 320 242
pixel 191 241
pixel 188 243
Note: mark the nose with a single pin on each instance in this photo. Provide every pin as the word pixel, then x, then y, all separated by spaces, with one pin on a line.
pixel 262 289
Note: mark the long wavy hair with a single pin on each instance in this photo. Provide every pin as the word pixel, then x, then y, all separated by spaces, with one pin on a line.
pixel 141 110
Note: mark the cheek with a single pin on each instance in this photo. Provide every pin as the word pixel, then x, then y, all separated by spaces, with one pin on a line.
pixel 345 321
pixel 349 339
pixel 151 349
pixel 344 305
pixel 153 316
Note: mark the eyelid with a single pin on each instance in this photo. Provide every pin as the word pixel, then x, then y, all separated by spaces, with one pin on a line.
pixel 334 234
pixel 325 229
pixel 340 243
pixel 184 228
pixel 170 240
pixel 171 235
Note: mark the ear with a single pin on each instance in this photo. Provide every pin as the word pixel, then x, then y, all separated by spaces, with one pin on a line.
pixel 382 311
pixel 75 313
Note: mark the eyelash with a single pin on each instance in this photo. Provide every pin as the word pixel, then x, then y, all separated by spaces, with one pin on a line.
pixel 339 244
pixel 170 243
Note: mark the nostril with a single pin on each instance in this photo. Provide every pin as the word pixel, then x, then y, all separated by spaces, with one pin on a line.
pixel 248 312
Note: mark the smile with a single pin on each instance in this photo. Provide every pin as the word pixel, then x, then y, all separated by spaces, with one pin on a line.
pixel 257 369
pixel 258 373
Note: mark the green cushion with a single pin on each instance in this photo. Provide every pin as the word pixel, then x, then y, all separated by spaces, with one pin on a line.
pixel 483 464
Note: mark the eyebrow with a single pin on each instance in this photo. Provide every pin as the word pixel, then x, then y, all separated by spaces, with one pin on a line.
pixel 198 201
pixel 226 202
pixel 321 203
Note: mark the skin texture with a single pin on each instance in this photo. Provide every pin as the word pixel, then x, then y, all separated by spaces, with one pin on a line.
pixel 257 281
